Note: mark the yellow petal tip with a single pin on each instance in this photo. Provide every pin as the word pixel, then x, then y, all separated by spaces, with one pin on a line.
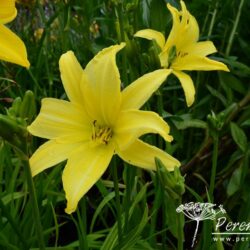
pixel 69 210
pixel 190 103
pixel 26 64
pixel 226 69
pixel 64 55
pixel 169 138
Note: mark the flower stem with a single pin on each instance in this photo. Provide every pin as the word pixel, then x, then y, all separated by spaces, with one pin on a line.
pixel 121 37
pixel 117 199
pixel 213 20
pixel 214 166
pixel 233 32
pixel 33 199
pixel 130 176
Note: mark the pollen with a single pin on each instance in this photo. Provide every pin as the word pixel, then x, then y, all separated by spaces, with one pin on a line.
pixel 101 134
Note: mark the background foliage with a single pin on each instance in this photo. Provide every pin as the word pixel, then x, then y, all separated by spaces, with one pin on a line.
pixel 213 132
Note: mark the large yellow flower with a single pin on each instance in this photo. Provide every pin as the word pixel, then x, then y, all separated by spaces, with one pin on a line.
pixel 182 51
pixel 12 48
pixel 98 121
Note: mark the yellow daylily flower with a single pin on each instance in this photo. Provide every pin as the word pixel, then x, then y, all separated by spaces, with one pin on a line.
pixel 98 121
pixel 12 48
pixel 182 51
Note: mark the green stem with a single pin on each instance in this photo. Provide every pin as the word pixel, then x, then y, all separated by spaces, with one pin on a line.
pixel 213 20
pixel 117 199
pixel 180 228
pixel 231 37
pixel 122 39
pixel 33 198
pixel 206 20
pixel 214 166
pixel 130 176
pixel 158 200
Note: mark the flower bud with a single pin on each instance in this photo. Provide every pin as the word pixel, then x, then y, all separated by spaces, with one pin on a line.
pixel 14 110
pixel 28 106
pixel 173 182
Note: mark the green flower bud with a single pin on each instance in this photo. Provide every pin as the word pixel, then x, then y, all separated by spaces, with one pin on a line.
pixel 173 181
pixel 14 110
pixel 217 121
pixel 28 106
pixel 171 55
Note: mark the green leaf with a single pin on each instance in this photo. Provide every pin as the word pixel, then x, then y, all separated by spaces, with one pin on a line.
pixel 194 123
pixel 106 199
pixel 236 67
pixel 239 136
pixel 12 196
pixel 112 238
pixel 234 183
pixel 232 82
pixel 134 235
pixel 217 94
pixel 174 220
pixel 246 123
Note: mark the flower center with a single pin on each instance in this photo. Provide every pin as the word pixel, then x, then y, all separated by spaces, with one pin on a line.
pixel 101 134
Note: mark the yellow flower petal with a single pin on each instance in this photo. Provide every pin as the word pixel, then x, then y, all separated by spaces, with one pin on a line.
pixel 163 56
pixel 194 62
pixel 12 48
pixel 138 92
pixel 175 31
pixel 7 11
pixel 187 85
pixel 189 26
pixel 50 154
pixel 71 75
pixel 83 170
pixel 103 86
pixel 152 35
pixel 61 120
pixel 201 48
pixel 143 155
pixel 185 29
pixel 132 124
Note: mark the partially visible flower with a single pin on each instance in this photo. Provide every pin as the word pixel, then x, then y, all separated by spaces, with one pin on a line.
pixel 12 48
pixel 94 29
pixel 38 33
pixel 182 51
pixel 98 121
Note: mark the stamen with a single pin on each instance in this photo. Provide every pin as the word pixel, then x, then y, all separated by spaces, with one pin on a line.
pixel 101 134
